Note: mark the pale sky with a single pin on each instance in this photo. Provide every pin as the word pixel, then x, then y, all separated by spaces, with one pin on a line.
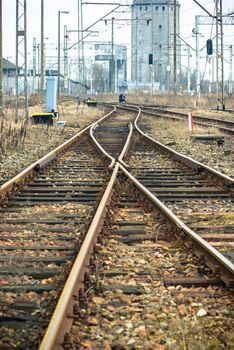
pixel 92 13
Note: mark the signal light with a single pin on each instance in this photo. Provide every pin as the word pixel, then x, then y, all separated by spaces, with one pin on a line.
pixel 209 47
pixel 150 59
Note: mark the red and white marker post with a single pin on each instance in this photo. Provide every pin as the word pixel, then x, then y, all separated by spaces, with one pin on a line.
pixel 190 121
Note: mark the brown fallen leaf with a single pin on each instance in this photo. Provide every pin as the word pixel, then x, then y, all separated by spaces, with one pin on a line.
pixel 182 309
pixel 92 321
pixel 98 300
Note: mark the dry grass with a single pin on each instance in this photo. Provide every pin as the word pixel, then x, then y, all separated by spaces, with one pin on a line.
pixel 146 97
pixel 177 130
pixel 12 136
pixel 22 143
pixel 177 136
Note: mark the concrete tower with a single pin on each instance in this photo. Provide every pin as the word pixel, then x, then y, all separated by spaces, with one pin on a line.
pixel 153 43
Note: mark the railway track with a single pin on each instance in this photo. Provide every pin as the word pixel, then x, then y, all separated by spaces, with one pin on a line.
pixel 145 288
pixel 131 218
pixel 226 126
pixel 222 124
pixel 189 193
pixel 43 223
pixel 200 196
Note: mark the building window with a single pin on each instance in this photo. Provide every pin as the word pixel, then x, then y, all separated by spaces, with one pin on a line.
pixel 172 8
pixel 163 8
pixel 156 8
pixel 140 8
pixel 147 22
pixel 160 46
pixel 160 26
pixel 146 8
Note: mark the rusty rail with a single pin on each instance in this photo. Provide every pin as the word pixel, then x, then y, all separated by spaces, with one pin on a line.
pixel 42 162
pixel 126 147
pixel 61 320
pixel 101 149
pixel 227 268
pixel 182 158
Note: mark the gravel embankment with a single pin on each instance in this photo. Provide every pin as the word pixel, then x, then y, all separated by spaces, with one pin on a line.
pixel 177 136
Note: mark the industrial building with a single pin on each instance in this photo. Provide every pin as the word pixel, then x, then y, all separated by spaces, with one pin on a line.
pixel 152 43
pixel 113 58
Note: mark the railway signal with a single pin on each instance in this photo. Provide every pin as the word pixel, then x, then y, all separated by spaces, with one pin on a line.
pixel 209 47
pixel 150 59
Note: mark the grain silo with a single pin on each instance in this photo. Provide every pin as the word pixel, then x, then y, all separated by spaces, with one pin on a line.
pixel 153 43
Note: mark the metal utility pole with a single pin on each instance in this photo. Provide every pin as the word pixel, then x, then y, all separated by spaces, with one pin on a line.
pixel 230 71
pixel 198 77
pixel 38 69
pixel 42 50
pixel 112 72
pixel 1 93
pixel 82 51
pixel 78 38
pixel 175 48
pixel 209 60
pixel 34 65
pixel 220 21
pixel 65 74
pixel 58 55
pixel 21 50
pixel 59 44
pixel 219 55
pixel 189 71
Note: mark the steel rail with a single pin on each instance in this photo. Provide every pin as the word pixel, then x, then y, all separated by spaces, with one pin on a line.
pixel 204 118
pixel 203 121
pixel 61 320
pixel 42 162
pixel 101 149
pixel 214 256
pixel 126 147
pixel 227 267
pixel 183 158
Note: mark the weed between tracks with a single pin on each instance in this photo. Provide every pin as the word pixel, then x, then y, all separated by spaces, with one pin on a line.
pixel 176 135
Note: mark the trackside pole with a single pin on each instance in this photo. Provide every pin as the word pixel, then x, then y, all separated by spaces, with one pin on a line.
pixel 190 121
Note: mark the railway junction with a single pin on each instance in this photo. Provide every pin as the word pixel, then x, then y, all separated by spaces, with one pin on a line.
pixel 116 237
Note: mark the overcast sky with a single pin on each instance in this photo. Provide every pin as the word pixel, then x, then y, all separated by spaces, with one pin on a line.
pixel 92 13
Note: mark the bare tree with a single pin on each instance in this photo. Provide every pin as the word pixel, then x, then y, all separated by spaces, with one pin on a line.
pixel 99 77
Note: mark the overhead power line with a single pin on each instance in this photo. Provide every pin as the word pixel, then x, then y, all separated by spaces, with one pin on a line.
pixel 203 8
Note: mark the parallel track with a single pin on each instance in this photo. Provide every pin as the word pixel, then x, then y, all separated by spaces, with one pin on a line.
pixel 190 193
pixel 222 124
pixel 144 282
pixel 226 126
pixel 131 215
pixel 41 232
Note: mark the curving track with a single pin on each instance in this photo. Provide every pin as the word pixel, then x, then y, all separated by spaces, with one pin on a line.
pixel 157 255
pixel 224 125
pixel 144 285
pixel 42 228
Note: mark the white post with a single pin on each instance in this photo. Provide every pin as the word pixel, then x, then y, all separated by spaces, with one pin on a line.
pixel 210 77
pixel 230 72
pixel 198 88
pixel 189 71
